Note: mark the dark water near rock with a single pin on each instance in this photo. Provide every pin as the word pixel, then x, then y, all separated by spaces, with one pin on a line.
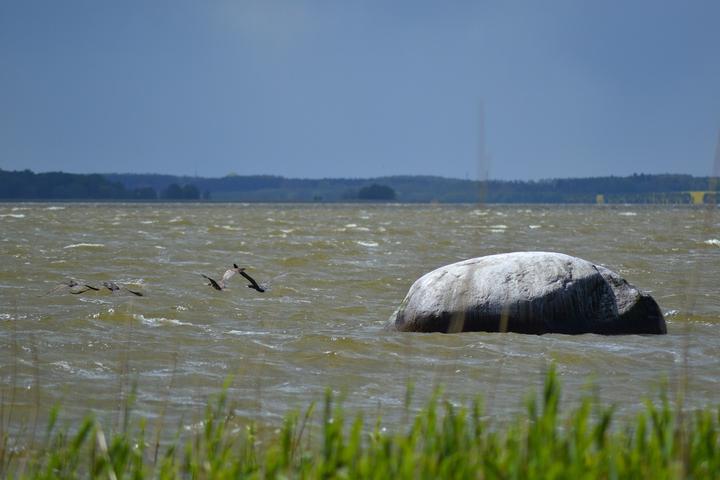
pixel 345 270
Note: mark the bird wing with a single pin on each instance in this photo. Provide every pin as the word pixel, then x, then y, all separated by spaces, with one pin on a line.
pixel 251 280
pixel 136 293
pixel 78 291
pixel 212 282
pixel 69 284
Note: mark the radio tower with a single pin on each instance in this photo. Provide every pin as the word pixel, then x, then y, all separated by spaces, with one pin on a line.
pixel 483 170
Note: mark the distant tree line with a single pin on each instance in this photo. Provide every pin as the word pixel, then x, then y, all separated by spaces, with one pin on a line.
pixel 177 192
pixel 636 188
pixel 26 185
pixel 377 192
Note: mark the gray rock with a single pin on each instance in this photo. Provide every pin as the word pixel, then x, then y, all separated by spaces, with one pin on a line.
pixel 526 292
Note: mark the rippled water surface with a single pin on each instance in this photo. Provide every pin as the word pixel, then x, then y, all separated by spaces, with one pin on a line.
pixel 337 273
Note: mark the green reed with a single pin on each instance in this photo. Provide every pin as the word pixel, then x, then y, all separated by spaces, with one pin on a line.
pixel 442 441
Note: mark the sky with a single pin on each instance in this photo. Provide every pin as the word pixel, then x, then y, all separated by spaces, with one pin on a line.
pixel 312 89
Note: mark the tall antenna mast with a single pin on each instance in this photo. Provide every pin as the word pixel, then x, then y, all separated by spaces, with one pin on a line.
pixel 483 158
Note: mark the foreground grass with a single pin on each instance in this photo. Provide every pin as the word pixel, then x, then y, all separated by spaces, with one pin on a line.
pixel 440 442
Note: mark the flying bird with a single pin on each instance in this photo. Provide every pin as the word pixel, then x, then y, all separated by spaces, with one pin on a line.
pixel 73 287
pixel 222 284
pixel 231 272
pixel 114 287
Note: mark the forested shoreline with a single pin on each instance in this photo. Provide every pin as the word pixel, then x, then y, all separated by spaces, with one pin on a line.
pixel 638 188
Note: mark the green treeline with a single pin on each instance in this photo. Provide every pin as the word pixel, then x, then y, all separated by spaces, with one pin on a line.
pixel 26 185
pixel 376 192
pixel 667 188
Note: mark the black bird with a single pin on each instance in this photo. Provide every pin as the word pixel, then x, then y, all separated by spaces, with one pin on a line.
pixel 73 287
pixel 231 272
pixel 221 285
pixel 114 287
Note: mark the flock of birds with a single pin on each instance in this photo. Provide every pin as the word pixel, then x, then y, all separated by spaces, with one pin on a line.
pixel 77 288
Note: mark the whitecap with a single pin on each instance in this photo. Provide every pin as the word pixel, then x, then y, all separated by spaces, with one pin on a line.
pixel 351 225
pixel 266 345
pixel 54 208
pixel 156 322
pixel 229 227
pixel 713 241
pixel 245 332
pixel 534 226
pixel 62 364
pixel 96 301
pixel 99 365
pixel 627 214
pixel 367 244
pixel 499 226
pixel 497 230
pixel 147 222
pixel 13 215
pixel 84 245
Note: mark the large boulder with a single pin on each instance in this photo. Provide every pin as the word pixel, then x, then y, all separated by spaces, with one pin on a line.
pixel 526 292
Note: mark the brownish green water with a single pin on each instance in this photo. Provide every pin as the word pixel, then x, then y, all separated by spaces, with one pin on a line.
pixel 346 268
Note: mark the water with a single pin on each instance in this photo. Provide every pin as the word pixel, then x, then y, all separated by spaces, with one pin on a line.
pixel 346 268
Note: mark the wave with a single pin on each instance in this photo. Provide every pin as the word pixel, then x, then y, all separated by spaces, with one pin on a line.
pixel 156 322
pixel 367 244
pixel 85 245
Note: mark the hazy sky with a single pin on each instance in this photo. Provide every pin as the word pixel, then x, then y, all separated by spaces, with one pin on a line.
pixel 360 88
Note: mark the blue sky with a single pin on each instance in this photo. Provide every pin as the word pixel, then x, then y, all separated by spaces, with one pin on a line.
pixel 360 88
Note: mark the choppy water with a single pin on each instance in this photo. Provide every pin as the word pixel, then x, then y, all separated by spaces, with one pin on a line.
pixel 346 269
